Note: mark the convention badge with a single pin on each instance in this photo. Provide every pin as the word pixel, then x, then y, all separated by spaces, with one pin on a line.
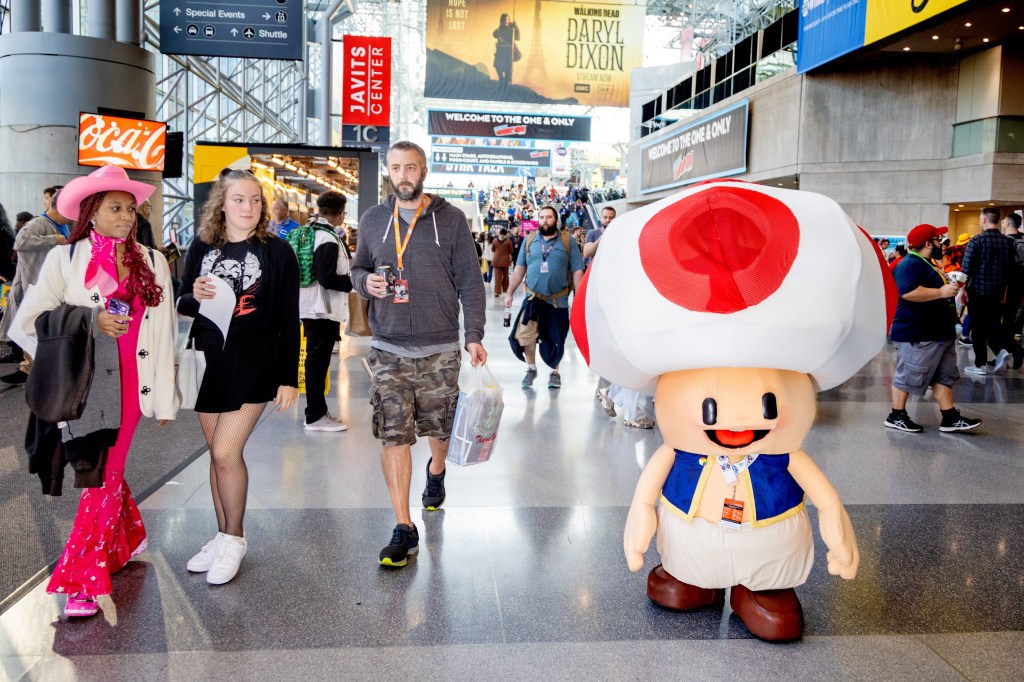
pixel 732 513
pixel 544 266
pixel 401 291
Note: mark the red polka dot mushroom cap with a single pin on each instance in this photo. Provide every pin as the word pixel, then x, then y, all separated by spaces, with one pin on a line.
pixel 732 274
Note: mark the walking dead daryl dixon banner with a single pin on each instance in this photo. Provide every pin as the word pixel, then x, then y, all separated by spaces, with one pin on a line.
pixel 535 51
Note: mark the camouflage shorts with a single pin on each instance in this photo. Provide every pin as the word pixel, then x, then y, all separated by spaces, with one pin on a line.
pixel 413 396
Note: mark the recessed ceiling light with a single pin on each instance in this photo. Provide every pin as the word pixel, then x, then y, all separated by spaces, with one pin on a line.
pixel 780 184
pixel 968 24
pixel 935 37
pixel 960 205
pixel 1006 9
pixel 956 210
pixel 984 40
pixel 906 49
pixel 991 203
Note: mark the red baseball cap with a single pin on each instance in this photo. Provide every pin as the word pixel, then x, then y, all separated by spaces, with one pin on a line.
pixel 922 233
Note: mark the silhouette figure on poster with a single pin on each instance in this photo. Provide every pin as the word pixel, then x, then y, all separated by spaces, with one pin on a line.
pixel 506 51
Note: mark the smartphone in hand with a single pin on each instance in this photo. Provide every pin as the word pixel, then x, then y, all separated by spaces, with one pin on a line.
pixel 118 307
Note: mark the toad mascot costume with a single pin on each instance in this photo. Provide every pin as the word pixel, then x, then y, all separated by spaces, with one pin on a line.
pixel 734 303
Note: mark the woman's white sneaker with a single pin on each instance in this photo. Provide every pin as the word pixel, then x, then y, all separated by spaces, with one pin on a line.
pixel 202 561
pixel 230 551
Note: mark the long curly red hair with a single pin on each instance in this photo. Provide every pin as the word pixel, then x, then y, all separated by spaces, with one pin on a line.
pixel 141 278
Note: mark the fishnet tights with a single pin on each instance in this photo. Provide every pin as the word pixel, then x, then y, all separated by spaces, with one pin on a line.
pixel 226 434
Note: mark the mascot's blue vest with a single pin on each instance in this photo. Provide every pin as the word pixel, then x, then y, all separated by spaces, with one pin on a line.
pixel 772 493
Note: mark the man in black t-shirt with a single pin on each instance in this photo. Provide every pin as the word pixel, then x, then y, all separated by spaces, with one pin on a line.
pixel 923 331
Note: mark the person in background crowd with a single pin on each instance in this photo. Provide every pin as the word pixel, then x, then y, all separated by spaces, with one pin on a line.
pixel 21 219
pixel 33 242
pixel 899 253
pixel 145 229
pixel 501 250
pixel 955 253
pixel 923 330
pixel 1011 318
pixel 416 358
pixel 256 363
pixel 108 264
pixel 323 306
pixel 989 261
pixel 551 270
pixel 48 194
pixel 488 257
pixel 282 223
pixel 7 236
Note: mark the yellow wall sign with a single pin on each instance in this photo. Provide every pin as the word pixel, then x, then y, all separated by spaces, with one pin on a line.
pixel 886 17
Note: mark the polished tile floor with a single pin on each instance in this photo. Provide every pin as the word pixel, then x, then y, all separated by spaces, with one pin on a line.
pixel 521 575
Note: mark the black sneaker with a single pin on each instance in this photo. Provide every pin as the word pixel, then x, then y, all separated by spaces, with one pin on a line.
pixel 15 378
pixel 433 494
pixel 902 422
pixel 1018 360
pixel 405 542
pixel 531 374
pixel 957 422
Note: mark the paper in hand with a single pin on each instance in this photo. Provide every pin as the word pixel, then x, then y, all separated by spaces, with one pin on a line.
pixel 219 308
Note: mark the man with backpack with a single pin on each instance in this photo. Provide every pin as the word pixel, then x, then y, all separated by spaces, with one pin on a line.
pixel 552 266
pixel 324 278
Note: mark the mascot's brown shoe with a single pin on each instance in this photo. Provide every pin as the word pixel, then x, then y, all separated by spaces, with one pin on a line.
pixel 771 615
pixel 669 593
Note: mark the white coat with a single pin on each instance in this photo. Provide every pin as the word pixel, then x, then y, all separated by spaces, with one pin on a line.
pixel 62 280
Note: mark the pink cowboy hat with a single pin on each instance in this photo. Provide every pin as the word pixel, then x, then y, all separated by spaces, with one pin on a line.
pixel 103 179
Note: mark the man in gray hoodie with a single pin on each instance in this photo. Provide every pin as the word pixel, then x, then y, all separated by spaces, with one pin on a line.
pixel 414 317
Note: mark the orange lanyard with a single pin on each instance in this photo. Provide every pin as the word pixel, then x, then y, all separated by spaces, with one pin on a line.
pixel 402 245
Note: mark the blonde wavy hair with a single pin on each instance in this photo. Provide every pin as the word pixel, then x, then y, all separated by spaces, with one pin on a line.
pixel 213 226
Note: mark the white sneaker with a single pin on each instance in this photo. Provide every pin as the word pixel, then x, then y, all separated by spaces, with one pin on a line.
pixel 326 423
pixel 230 551
pixel 974 369
pixel 202 561
pixel 1001 360
pixel 639 423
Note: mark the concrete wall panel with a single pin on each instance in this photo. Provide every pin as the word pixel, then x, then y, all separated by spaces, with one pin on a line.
pixel 889 113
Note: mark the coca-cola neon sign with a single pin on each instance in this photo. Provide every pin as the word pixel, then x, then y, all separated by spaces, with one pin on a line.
pixel 130 143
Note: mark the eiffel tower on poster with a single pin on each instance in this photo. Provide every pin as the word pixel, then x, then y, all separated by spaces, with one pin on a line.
pixel 535 63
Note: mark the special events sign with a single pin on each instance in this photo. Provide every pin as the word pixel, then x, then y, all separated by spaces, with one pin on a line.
pixel 493 124
pixel 711 147
pixel 366 93
pixel 130 143
pixel 487 160
pixel 535 51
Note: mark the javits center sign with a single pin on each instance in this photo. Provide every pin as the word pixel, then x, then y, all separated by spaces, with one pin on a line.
pixel 534 51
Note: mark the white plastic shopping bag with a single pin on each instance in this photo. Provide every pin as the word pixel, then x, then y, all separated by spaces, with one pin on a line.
pixel 476 419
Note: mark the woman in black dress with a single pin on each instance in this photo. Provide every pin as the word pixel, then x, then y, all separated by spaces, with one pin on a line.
pixel 259 360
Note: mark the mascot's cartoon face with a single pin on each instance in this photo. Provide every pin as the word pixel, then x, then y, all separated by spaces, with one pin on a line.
pixel 735 410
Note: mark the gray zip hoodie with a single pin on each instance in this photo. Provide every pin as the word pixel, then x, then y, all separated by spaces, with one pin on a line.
pixel 442 268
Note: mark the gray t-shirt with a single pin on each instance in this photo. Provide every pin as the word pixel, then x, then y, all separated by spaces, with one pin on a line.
pixel 592 237
pixel 406 215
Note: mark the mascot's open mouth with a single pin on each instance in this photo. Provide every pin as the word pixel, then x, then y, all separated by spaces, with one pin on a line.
pixel 735 439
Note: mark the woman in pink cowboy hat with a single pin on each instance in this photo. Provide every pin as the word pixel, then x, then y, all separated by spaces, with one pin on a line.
pixel 110 271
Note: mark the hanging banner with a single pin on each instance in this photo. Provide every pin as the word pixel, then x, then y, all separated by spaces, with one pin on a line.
pixel 131 143
pixel 888 17
pixel 493 124
pixel 831 28
pixel 366 90
pixel 486 160
pixel 711 147
pixel 535 51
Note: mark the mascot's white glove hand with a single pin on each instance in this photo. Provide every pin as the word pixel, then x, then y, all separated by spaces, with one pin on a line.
pixel 641 523
pixel 837 532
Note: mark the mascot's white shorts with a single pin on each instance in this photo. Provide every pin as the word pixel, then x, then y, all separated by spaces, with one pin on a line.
pixel 710 555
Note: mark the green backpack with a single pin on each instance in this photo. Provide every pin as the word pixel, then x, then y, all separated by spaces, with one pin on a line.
pixel 303 241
